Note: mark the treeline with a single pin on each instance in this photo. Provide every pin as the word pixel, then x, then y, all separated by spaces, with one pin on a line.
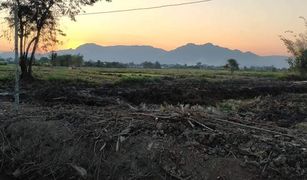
pixel 78 61
pixel 62 60
pixel 3 62
pixel 146 65
pixel 105 64
pixel 53 60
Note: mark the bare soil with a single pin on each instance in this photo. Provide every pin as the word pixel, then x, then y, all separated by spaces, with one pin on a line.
pixel 172 129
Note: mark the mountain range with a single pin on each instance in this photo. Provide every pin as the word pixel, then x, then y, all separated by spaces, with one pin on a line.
pixel 208 54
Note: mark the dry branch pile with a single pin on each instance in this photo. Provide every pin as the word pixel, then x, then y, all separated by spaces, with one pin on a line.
pixel 85 132
pixel 126 142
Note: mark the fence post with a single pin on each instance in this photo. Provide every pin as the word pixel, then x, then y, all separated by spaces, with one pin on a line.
pixel 16 94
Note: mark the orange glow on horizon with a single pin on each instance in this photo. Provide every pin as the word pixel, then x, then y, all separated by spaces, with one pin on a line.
pixel 246 25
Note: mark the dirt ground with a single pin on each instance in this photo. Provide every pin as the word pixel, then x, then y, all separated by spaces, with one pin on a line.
pixel 173 129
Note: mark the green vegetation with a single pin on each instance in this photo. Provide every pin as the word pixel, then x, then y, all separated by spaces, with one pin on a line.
pixel 3 63
pixel 6 73
pixel 115 75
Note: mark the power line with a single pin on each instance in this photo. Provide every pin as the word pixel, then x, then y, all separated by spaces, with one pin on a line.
pixel 145 8
pixel 141 8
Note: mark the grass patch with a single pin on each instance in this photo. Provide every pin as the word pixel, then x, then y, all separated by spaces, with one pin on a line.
pixel 139 76
pixel 138 80
pixel 293 77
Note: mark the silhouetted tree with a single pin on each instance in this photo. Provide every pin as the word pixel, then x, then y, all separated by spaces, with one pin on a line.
pixel 298 49
pixel 99 63
pixel 157 65
pixel 43 61
pixel 150 65
pixel 199 65
pixel 68 60
pixel 53 56
pixel 2 62
pixel 39 25
pixel 232 65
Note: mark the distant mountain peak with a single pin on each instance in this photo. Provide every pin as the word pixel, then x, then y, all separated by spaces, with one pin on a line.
pixel 190 53
pixel 209 44
pixel 89 45
pixel 196 45
pixel 190 44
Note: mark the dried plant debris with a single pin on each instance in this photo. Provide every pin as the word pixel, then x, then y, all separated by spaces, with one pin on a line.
pixel 263 137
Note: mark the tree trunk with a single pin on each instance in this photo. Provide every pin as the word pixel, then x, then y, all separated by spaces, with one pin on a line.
pixel 36 41
pixel 25 63
pixel 26 74
pixel 30 71
pixel 23 67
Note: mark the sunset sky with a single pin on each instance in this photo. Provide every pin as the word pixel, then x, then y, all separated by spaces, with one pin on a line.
pixel 248 25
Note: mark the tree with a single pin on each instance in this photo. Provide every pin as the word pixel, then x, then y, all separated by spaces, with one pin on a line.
pixel 38 25
pixel 232 65
pixel 157 65
pixel 150 65
pixel 297 47
pixel 98 63
pixel 76 61
pixel 43 61
pixel 147 65
pixel 68 60
pixel 2 62
pixel 199 65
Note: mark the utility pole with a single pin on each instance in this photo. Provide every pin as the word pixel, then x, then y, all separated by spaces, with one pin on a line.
pixel 16 59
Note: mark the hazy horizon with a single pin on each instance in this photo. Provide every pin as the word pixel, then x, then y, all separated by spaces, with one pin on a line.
pixel 174 48
pixel 146 45
pixel 190 54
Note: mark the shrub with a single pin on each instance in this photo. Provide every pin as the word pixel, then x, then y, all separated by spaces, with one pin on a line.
pixel 297 47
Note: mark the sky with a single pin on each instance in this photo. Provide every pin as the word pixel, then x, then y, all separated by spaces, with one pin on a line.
pixel 247 25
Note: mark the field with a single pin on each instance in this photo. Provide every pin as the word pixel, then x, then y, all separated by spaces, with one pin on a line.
pixel 94 123
pixel 102 75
